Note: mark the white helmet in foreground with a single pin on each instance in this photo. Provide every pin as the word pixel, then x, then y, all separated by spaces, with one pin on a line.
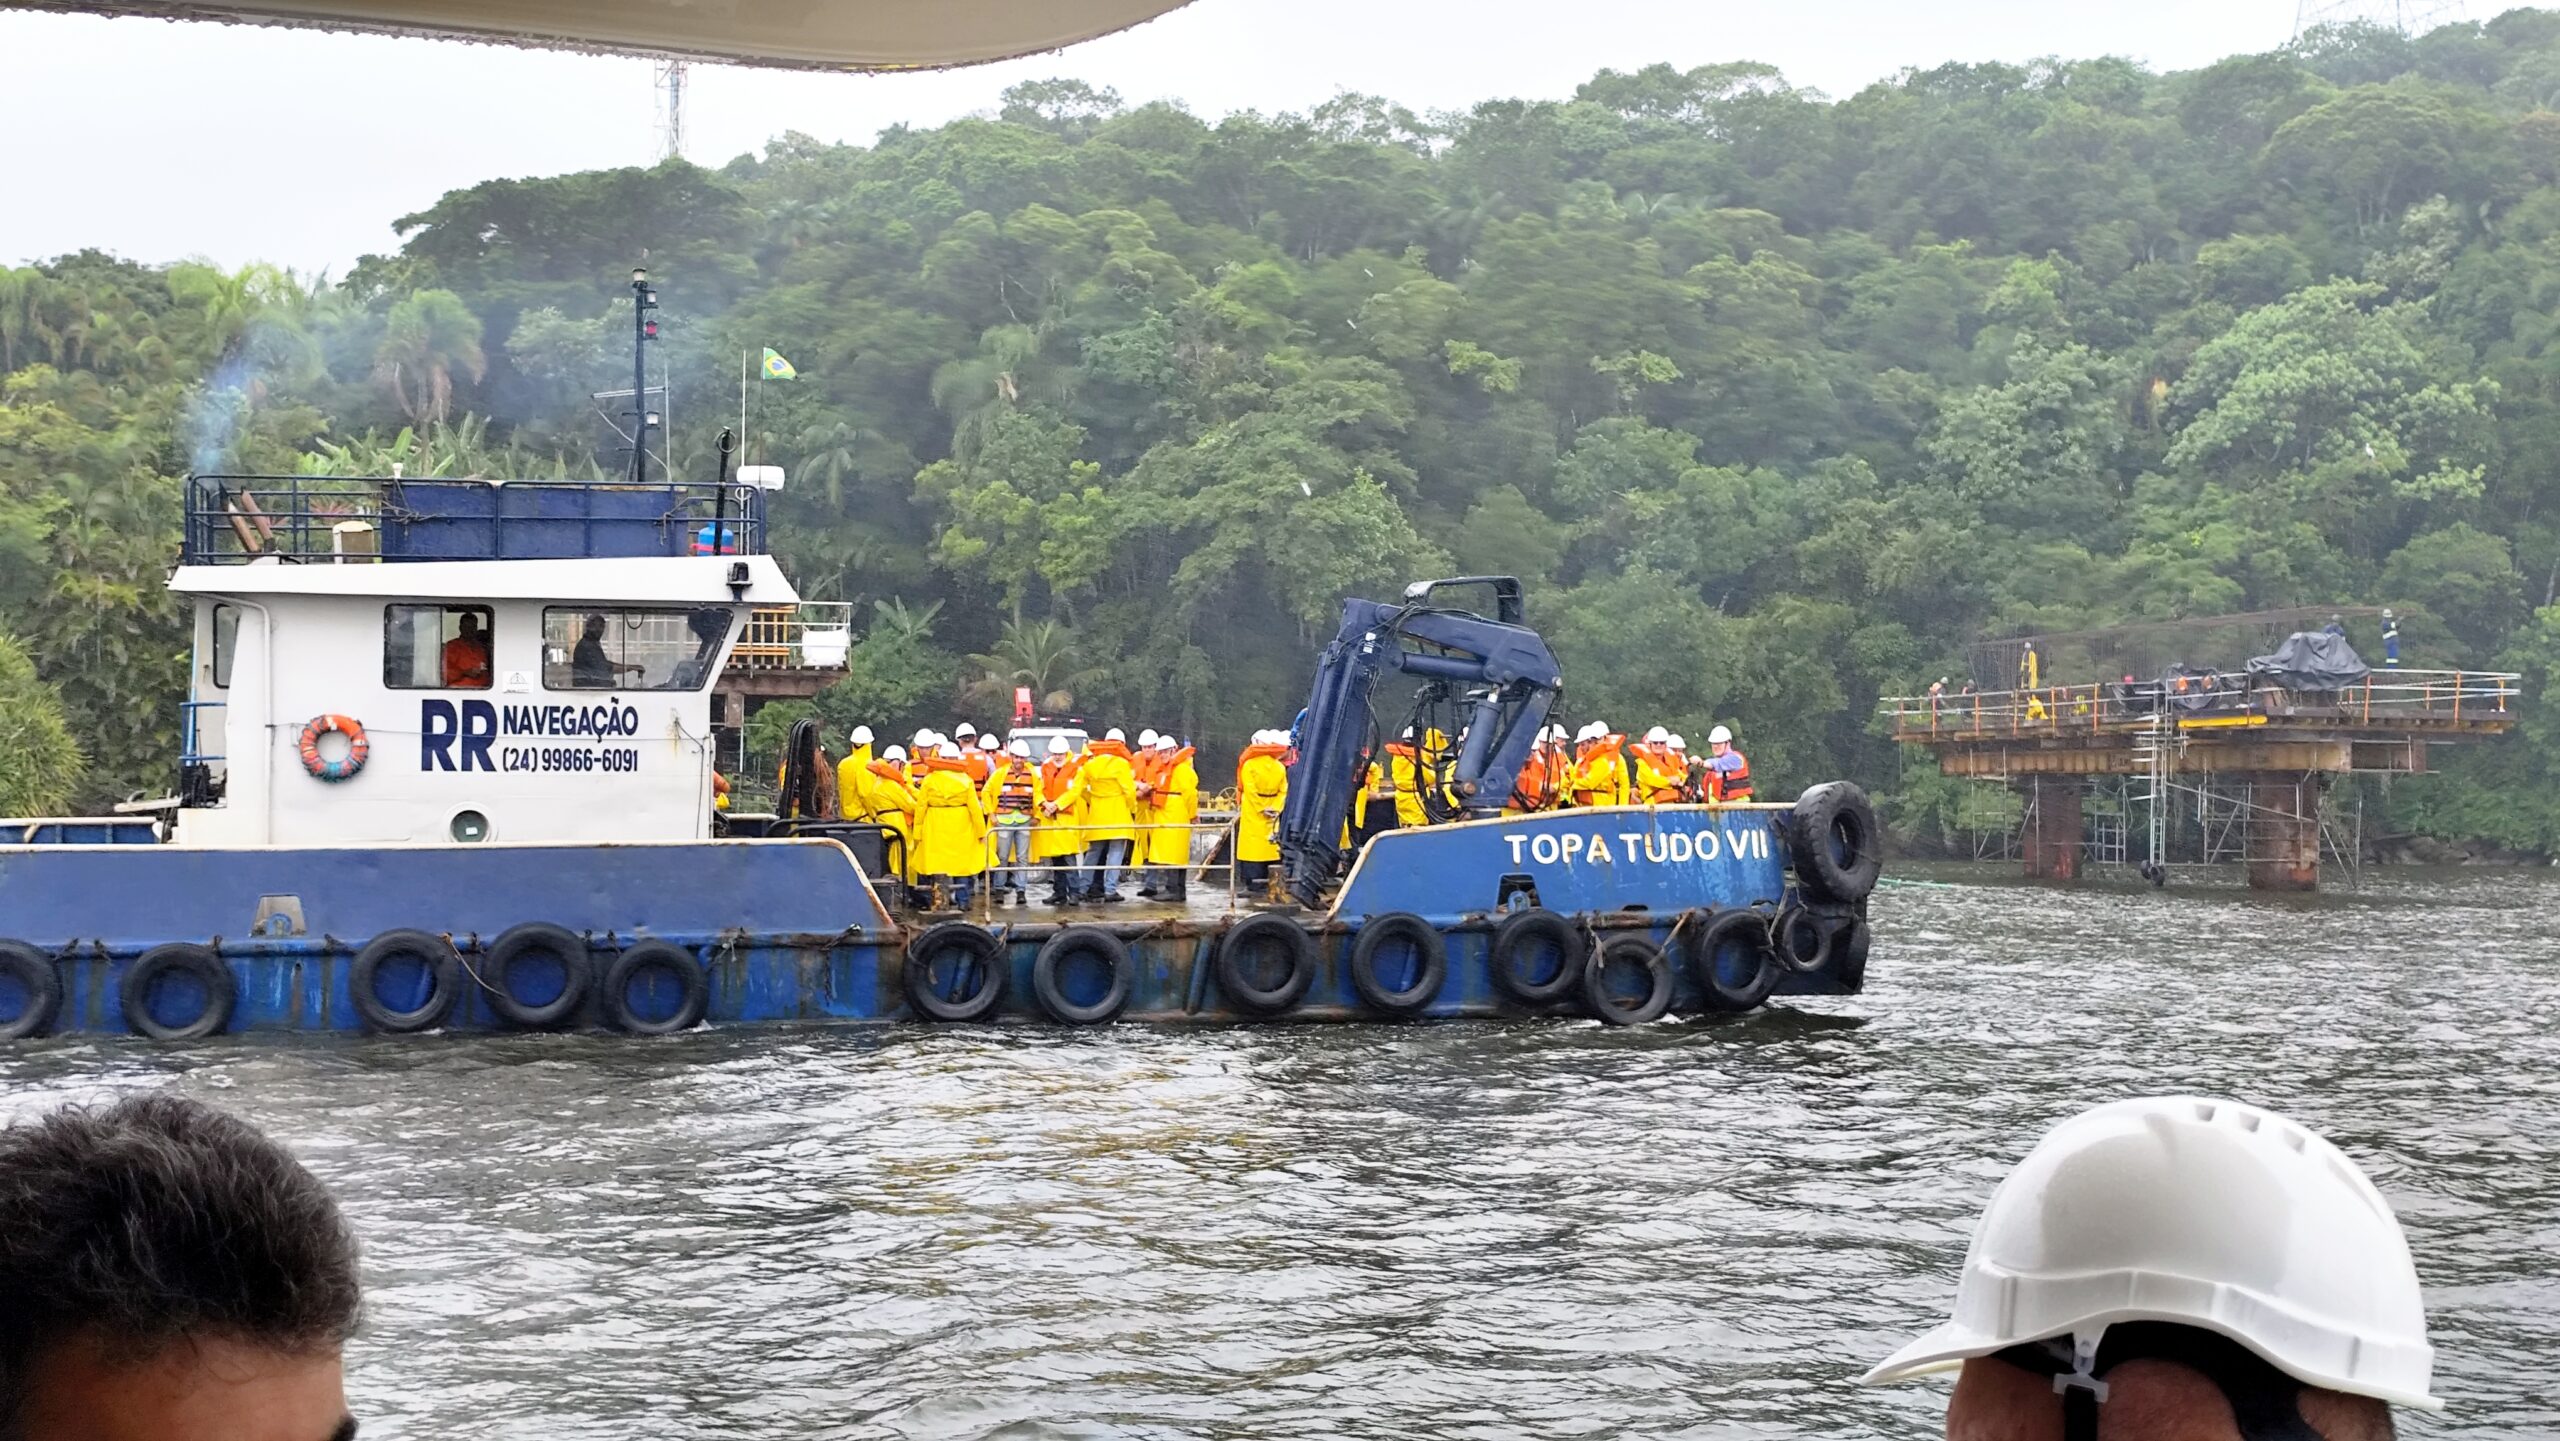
pixel 861 735
pixel 1659 735
pixel 1147 737
pixel 1057 745
pixel 1115 734
pixel 1019 747
pixel 894 754
pixel 1720 736
pixel 2199 1213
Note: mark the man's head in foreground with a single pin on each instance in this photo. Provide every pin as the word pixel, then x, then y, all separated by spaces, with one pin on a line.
pixel 168 1272
pixel 2181 1270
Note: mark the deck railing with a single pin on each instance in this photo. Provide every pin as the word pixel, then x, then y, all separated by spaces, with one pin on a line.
pixel 238 519
pixel 2389 699
pixel 812 635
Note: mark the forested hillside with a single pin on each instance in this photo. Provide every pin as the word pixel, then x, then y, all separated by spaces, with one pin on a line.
pixel 1776 400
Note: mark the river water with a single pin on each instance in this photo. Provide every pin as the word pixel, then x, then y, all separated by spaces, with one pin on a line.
pixel 1480 1230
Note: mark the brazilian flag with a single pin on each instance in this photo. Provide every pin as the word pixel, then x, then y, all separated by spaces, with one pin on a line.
pixel 777 368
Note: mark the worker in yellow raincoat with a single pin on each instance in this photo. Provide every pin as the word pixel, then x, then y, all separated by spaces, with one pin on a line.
pixel 853 775
pixel 1110 813
pixel 1144 761
pixel 1262 790
pixel 893 805
pixel 1600 772
pixel 1177 797
pixel 951 826
pixel 1057 821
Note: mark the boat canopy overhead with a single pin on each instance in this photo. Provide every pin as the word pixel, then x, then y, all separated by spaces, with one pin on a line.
pixel 619 580
pixel 798 34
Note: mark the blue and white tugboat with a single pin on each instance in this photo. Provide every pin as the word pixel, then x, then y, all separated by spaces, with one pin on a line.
pixel 449 765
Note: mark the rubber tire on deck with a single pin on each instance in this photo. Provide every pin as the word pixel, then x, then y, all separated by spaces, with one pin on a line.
pixel 1744 928
pixel 1512 942
pixel 1851 938
pixel 1431 950
pixel 1833 841
pixel 577 973
pixel 1048 984
pixel 435 952
pixel 222 992
pixel 972 944
pixel 1236 951
pixel 1800 940
pixel 34 972
pixel 663 956
pixel 1627 950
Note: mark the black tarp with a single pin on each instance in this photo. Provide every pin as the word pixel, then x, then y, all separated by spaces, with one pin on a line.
pixel 2310 660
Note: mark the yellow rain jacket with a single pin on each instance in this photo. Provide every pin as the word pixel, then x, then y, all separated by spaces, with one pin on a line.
pixel 1600 777
pixel 1060 812
pixel 1177 785
pixel 1404 775
pixel 893 804
pixel 853 790
pixel 951 824
pixel 1110 793
pixel 1262 789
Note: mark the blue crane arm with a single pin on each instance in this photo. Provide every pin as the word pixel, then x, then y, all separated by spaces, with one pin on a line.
pixel 1514 680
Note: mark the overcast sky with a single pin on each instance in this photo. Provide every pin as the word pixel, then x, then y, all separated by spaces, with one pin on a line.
pixel 161 140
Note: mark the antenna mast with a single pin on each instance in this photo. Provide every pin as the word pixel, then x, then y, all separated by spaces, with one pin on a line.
pixel 2409 17
pixel 671 77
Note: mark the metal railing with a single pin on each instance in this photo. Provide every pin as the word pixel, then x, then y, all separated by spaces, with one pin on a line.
pixel 2388 699
pixel 812 635
pixel 238 519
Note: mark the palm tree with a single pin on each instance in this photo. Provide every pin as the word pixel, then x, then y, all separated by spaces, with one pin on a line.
pixel 893 620
pixel 1007 370
pixel 832 458
pixel 1040 654
pixel 426 340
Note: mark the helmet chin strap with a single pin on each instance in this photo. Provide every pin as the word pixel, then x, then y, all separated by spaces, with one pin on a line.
pixel 2265 1402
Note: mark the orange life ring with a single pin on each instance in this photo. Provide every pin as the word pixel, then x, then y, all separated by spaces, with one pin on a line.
pixel 337 770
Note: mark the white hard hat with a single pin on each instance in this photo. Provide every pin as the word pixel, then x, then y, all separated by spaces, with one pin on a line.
pixel 1019 747
pixel 1057 745
pixel 987 742
pixel 1679 742
pixel 894 753
pixel 2197 1213
pixel 949 751
pixel 1115 734
pixel 1593 731
pixel 1719 736
pixel 966 730
pixel 1659 735
pixel 861 735
pixel 1147 737
pixel 923 737
pixel 1167 743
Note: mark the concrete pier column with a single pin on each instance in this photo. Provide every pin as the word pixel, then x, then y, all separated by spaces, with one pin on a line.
pixel 2052 839
pixel 2284 832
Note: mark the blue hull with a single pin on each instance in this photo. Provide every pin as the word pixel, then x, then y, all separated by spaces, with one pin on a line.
pixel 790 931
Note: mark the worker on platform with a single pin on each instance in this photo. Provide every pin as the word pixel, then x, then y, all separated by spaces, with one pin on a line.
pixel 892 799
pixel 1376 812
pixel 965 737
pixel 1603 773
pixel 951 826
pixel 1404 780
pixel 1010 793
pixel 1177 805
pixel 2030 667
pixel 1534 791
pixel 2181 1269
pixel 1728 769
pixel 1262 791
pixel 1684 767
pixel 1110 813
pixel 2390 640
pixel 853 775
pixel 1057 825
pixel 1144 761
pixel 1658 775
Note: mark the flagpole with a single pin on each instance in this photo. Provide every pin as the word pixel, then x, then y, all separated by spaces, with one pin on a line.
pixel 743 437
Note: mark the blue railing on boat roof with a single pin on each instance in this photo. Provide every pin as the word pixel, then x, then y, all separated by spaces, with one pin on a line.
pixel 236 519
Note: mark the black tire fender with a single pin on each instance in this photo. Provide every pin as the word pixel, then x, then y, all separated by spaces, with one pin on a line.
pixel 434 952
pixel 1800 940
pixel 976 949
pixel 1729 959
pixel 1851 939
pixel 1520 936
pixel 1430 950
pixel 33 970
pixel 653 955
pixel 222 991
pixel 1834 844
pixel 1634 951
pixel 1251 936
pixel 1048 982
pixel 535 938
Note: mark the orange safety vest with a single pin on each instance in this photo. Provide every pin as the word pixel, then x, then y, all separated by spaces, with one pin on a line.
pixel 1021 783
pixel 1730 785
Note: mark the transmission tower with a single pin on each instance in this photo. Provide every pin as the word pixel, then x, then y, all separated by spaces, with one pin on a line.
pixel 2409 17
pixel 671 109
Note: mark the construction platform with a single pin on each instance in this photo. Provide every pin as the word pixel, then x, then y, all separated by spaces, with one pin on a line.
pixel 2273 750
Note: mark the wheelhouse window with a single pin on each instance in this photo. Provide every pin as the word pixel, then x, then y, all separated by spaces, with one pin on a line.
pixel 621 648
pixel 226 643
pixel 436 647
